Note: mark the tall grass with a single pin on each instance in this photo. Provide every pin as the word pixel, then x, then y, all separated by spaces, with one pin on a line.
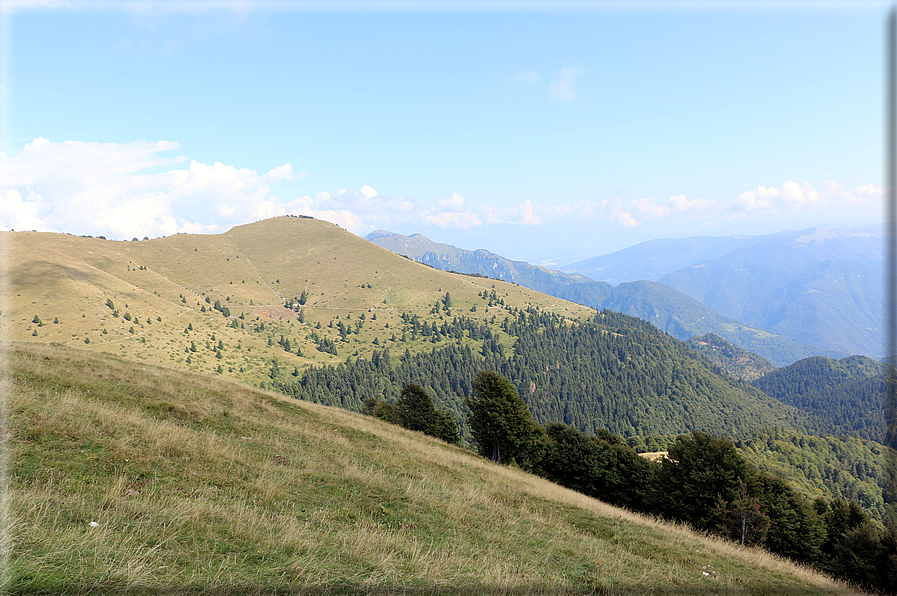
pixel 138 479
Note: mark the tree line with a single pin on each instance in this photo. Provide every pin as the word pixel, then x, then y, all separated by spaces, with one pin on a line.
pixel 610 372
pixel 703 481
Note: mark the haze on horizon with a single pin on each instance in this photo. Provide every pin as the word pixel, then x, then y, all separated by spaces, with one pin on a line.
pixel 541 134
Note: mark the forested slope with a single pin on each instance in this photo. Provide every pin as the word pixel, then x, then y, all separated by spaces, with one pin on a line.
pixel 611 372
pixel 842 397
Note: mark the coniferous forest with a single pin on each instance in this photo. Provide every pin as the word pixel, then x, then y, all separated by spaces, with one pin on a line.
pixel 611 372
pixel 588 385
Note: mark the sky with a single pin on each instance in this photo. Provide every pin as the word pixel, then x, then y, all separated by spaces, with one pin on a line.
pixel 541 132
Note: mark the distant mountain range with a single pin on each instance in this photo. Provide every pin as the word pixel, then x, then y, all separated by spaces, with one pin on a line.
pixel 784 296
pixel 820 287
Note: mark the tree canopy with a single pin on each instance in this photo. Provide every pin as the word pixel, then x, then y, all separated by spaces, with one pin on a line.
pixel 500 421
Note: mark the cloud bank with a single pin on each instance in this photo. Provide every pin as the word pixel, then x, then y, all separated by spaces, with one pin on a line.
pixel 125 190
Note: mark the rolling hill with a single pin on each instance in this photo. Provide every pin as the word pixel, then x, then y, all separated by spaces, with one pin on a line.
pixel 326 316
pixel 153 300
pixel 137 479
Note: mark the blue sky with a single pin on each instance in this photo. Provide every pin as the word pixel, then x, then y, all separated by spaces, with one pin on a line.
pixel 537 133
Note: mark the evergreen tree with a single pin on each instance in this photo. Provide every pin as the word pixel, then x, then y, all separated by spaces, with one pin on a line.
pixel 417 410
pixel 501 423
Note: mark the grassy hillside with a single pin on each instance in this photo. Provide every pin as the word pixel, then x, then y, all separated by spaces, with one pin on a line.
pixel 575 288
pixel 152 300
pixel 272 300
pixel 131 478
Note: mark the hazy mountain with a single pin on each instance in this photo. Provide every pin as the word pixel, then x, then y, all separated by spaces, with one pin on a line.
pixel 684 317
pixel 820 287
pixel 575 288
pixel 670 310
pixel 653 259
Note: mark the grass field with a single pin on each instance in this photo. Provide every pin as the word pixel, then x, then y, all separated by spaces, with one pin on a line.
pixel 132 478
pixel 151 300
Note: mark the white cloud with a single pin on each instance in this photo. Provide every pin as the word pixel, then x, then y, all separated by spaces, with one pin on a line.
pixel 454 203
pixel 147 189
pixel 624 218
pixel 793 199
pixel 128 189
pixel 562 87
pixel 527 216
pixel 681 203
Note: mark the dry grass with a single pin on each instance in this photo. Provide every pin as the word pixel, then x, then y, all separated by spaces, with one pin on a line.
pixel 251 269
pixel 205 486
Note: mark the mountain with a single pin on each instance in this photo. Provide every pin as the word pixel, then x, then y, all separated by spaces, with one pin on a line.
pixel 736 361
pixel 842 397
pixel 819 287
pixel 653 259
pixel 669 310
pixel 280 282
pixel 310 308
pixel 575 288
pixel 683 317
pixel 609 372
pixel 130 478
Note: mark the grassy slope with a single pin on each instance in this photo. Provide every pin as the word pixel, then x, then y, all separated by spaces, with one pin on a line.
pixel 251 269
pixel 204 485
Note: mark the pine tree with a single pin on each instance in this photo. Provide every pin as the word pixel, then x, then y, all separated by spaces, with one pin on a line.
pixel 500 421
pixel 417 410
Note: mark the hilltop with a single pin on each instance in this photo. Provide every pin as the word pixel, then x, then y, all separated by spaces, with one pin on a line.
pixel 280 279
pixel 306 306
pixel 131 478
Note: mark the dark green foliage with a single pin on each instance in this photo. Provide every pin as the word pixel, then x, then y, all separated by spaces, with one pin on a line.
pixel 36 320
pixel 856 550
pixel 603 467
pixel 842 396
pixel 447 428
pixel 383 410
pixel 848 468
pixel 742 519
pixel 795 530
pixel 416 409
pixel 736 361
pixel 612 371
pixel 417 412
pixel 699 471
pixel 501 423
